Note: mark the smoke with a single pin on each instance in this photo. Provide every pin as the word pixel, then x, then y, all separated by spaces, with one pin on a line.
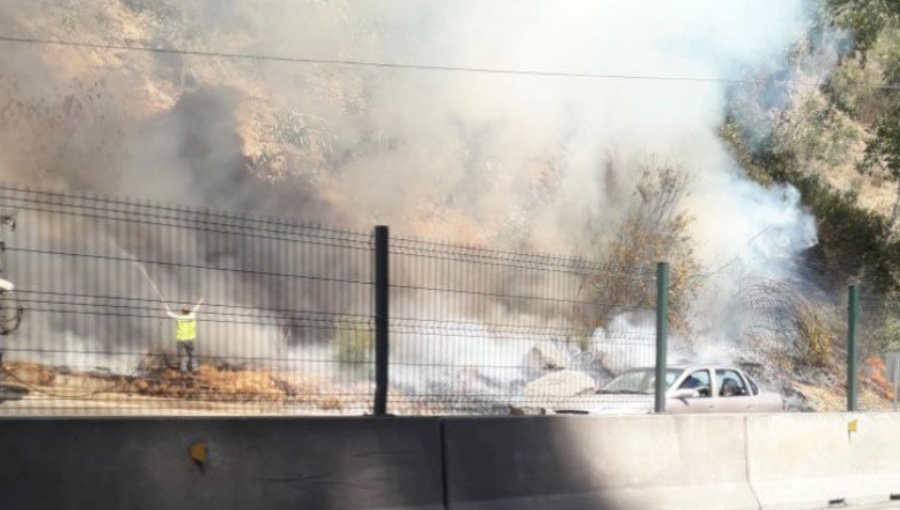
pixel 465 359
pixel 519 159
pixel 627 342
pixel 504 160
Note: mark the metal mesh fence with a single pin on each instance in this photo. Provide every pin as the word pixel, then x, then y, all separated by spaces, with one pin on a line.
pixel 288 322
pixel 878 340
pixel 486 331
pixel 285 326
pixel 288 326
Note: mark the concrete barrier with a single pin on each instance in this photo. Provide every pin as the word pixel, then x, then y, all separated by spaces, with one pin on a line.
pixel 810 461
pixel 266 464
pixel 773 462
pixel 563 463
pixel 875 457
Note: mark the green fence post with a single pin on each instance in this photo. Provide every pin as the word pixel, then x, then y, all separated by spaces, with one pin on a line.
pixel 662 332
pixel 852 313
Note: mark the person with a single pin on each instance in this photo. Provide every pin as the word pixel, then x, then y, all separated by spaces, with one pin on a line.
pixel 185 335
pixel 730 388
pixel 696 384
pixel 691 383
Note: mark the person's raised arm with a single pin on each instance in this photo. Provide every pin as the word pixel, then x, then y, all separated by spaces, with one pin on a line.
pixel 198 305
pixel 169 311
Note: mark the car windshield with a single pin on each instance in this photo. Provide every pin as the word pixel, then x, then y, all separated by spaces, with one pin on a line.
pixel 639 381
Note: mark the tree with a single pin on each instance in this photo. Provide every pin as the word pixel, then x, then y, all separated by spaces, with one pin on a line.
pixel 865 19
pixel 653 229
pixel 883 150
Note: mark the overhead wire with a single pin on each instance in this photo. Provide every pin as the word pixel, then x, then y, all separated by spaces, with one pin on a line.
pixel 404 66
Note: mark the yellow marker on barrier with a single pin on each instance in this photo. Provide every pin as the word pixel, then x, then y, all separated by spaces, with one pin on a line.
pixel 853 426
pixel 198 453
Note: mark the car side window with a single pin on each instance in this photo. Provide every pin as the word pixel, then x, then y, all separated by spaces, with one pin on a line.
pixel 753 386
pixel 730 384
pixel 698 381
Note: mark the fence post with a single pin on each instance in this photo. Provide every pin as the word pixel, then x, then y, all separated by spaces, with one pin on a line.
pixel 662 332
pixel 852 313
pixel 382 254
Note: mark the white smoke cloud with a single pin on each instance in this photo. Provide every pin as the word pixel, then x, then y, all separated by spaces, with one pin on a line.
pixel 521 157
pixel 629 341
pixel 463 358
pixel 494 159
pixel 522 125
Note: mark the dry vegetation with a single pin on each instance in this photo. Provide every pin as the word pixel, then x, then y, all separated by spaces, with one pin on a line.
pixel 215 386
pixel 213 383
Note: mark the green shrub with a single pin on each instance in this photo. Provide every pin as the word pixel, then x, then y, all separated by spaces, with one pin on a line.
pixel 354 342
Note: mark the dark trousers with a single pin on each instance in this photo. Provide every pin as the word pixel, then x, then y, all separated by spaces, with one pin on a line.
pixel 186 359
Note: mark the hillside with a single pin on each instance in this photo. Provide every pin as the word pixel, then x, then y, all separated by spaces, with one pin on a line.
pixel 830 139
pixel 220 113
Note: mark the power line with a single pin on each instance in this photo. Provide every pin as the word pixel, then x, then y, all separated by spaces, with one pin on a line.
pixel 408 67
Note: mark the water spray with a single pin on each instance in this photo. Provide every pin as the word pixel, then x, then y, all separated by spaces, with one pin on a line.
pixel 143 271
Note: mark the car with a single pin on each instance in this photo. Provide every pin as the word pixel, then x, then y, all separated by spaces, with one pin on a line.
pixel 690 389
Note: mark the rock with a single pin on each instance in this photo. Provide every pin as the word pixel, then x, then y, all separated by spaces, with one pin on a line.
pixel 546 357
pixel 564 383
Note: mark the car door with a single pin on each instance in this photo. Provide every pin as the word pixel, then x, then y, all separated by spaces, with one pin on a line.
pixel 699 380
pixel 734 395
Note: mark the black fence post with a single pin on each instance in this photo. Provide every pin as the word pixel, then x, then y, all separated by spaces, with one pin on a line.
pixel 382 297
pixel 662 334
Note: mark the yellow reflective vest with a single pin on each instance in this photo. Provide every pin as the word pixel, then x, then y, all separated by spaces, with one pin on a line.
pixel 186 328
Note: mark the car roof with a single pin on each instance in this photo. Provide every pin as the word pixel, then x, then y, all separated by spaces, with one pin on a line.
pixel 689 367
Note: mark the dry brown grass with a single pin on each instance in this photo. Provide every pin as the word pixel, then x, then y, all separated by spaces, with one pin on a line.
pixel 216 384
pixel 875 393
pixel 210 384
pixel 31 373
pixel 822 398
